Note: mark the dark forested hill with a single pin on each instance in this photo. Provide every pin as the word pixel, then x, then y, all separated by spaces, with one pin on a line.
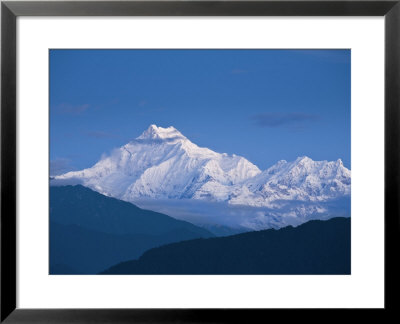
pixel 316 247
pixel 84 207
pixel 90 232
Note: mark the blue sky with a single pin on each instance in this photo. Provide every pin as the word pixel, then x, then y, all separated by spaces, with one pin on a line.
pixel 265 105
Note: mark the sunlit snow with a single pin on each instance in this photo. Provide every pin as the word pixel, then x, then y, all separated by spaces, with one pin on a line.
pixel 163 165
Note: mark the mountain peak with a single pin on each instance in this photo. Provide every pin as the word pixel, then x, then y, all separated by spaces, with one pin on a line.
pixel 155 132
pixel 163 164
pixel 303 159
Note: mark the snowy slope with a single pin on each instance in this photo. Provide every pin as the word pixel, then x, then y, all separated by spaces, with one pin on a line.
pixel 163 165
pixel 303 180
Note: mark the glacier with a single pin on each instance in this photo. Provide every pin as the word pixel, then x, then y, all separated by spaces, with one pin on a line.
pixel 162 168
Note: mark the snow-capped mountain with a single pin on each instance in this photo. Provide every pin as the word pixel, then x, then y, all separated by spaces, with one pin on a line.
pixel 302 180
pixel 162 163
pixel 164 167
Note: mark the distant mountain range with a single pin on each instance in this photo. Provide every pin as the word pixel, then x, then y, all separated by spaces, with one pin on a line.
pixel 164 164
pixel 162 167
pixel 316 247
pixel 90 232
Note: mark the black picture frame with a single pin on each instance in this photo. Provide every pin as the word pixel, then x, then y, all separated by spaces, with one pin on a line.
pixel 10 10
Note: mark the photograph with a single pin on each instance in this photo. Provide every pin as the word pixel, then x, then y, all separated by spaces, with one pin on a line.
pixel 199 162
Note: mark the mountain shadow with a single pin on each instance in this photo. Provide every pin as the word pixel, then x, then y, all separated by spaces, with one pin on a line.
pixel 316 247
pixel 90 232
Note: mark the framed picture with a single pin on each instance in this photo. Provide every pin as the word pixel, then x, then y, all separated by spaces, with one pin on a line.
pixel 190 161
